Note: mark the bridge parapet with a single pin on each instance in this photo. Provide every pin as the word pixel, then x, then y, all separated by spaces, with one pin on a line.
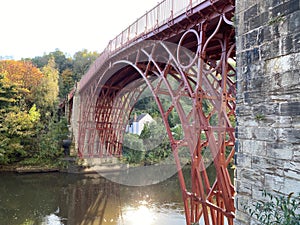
pixel 151 23
pixel 152 20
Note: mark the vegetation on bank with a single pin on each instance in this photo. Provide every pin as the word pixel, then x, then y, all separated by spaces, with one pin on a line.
pixel 31 125
pixel 276 209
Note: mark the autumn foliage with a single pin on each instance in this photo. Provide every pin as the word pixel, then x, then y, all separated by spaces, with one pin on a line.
pixel 31 126
pixel 22 73
pixel 23 87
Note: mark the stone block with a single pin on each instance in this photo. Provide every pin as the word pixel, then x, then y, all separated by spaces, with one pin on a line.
pixel 242 219
pixel 243 110
pixel 258 21
pixel 266 109
pixel 241 202
pixel 279 65
pixel 282 122
pixel 292 170
pixel 290 185
pixel 251 176
pixel 283 82
pixel 257 193
pixel 265 134
pixel 296 122
pixel 290 109
pixel 271 49
pixel 243 188
pixel 251 12
pixel 265 34
pixel 245 132
pixel 295 62
pixel 296 157
pixel 250 39
pixel 291 82
pixel 288 44
pixel 283 64
pixel 243 160
pixel 255 97
pixel 253 147
pixel 285 8
pixel 290 135
pixel 249 122
pixel 266 165
pixel 280 150
pixel 274 182
pixel 296 42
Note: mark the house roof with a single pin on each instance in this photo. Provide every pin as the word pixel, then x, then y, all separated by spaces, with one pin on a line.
pixel 138 118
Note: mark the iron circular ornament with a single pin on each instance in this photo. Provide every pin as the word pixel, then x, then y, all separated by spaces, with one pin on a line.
pixel 179 46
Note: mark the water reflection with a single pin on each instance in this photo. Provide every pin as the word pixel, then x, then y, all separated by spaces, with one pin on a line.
pixel 73 199
pixel 60 199
pixel 149 215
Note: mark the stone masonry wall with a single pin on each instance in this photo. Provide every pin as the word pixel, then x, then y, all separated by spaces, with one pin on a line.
pixel 268 100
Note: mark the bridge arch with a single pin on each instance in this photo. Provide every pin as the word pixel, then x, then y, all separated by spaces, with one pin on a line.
pixel 195 63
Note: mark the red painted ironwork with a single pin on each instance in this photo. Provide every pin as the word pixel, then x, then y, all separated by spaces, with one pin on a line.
pixel 200 68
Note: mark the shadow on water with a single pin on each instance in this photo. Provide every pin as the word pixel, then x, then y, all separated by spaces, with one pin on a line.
pixel 57 198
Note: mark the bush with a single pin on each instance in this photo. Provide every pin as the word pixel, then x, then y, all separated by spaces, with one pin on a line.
pixel 276 210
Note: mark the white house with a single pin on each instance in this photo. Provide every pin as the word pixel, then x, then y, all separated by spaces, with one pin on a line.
pixel 136 125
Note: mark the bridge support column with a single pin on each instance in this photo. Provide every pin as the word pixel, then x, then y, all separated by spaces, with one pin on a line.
pixel 268 105
pixel 75 117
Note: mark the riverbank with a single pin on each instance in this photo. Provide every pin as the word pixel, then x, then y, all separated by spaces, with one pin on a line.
pixel 28 169
pixel 61 165
pixel 68 165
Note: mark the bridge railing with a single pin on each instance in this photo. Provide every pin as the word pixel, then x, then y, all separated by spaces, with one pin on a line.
pixel 161 14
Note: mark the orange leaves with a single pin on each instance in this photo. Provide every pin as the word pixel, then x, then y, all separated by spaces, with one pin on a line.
pixel 21 73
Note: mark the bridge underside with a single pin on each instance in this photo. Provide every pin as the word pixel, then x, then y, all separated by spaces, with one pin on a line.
pixel 192 60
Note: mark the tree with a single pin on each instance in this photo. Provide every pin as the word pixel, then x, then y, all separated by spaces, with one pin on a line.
pixel 25 78
pixel 70 69
pixel 47 96
pixel 66 83
pixel 82 61
pixel 50 83
pixel 25 92
pixel 62 62
pixel 7 91
pixel 22 73
pixel 16 132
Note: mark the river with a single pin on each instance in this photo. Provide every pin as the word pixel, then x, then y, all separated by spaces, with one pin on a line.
pixel 61 198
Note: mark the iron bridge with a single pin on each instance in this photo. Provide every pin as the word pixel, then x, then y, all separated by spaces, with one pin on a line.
pixel 184 50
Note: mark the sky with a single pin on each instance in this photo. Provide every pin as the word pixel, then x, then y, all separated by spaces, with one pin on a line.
pixel 30 28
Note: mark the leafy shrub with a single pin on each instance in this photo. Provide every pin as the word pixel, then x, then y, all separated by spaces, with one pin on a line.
pixel 276 210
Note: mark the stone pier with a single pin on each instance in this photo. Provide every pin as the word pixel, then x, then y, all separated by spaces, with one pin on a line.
pixel 268 100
